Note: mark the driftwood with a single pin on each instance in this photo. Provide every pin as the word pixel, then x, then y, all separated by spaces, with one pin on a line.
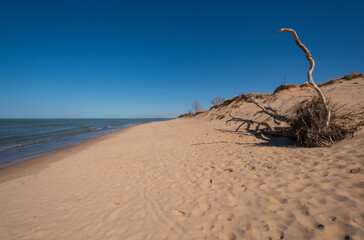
pixel 309 73
pixel 267 129
pixel 249 122
pixel 274 113
pixel 262 126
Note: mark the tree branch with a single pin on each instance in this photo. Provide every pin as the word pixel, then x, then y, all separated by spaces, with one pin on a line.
pixel 248 121
pixel 276 131
pixel 270 111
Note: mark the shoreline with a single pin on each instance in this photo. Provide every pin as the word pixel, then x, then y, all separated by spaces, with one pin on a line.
pixel 23 139
pixel 34 164
pixel 185 179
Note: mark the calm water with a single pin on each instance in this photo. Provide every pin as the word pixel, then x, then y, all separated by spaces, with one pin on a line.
pixel 21 139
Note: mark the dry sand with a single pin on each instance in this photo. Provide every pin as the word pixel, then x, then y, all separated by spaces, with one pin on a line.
pixel 190 179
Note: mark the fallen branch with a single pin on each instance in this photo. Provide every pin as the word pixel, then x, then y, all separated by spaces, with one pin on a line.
pixel 270 111
pixel 267 130
pixel 249 122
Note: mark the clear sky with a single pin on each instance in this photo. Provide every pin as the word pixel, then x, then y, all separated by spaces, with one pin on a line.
pixel 153 58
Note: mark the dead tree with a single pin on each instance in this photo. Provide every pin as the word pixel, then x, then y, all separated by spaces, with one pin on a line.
pixel 196 106
pixel 310 70
pixel 313 123
pixel 217 100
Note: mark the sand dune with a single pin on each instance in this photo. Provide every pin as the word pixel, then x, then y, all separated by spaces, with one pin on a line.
pixel 191 179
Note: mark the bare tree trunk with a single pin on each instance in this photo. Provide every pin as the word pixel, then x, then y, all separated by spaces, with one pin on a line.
pixel 309 73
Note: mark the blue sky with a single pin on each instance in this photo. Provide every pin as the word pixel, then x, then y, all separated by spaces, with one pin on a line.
pixel 153 58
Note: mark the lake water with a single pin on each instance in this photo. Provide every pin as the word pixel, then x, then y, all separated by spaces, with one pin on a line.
pixel 21 139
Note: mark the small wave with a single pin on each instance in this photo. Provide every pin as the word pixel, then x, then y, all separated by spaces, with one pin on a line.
pixel 10 138
pixel 101 128
pixel 58 132
pixel 87 129
pixel 24 144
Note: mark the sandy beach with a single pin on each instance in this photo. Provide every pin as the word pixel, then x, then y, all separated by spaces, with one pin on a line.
pixel 191 178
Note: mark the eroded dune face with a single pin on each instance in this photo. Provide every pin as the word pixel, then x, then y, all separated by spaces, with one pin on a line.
pixel 193 178
pixel 346 91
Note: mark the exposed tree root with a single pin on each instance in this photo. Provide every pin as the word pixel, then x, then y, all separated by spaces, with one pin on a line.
pixel 309 124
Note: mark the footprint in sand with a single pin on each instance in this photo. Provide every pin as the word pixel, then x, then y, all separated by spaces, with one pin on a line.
pixel 141 213
pixel 320 226
pixel 115 215
pixel 271 167
pixel 36 233
pixel 359 221
pixel 179 212
pixel 243 187
pixel 231 200
pixel 354 170
pixel 226 236
pixel 34 229
pixel 114 204
pixel 323 173
pixel 201 209
pixel 197 212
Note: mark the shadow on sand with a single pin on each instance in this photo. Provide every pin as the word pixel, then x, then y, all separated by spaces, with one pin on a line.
pixel 272 141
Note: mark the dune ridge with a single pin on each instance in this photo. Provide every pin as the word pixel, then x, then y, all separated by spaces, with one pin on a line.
pixel 293 92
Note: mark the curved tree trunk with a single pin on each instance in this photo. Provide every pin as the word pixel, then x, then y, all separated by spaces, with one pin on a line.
pixel 309 73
